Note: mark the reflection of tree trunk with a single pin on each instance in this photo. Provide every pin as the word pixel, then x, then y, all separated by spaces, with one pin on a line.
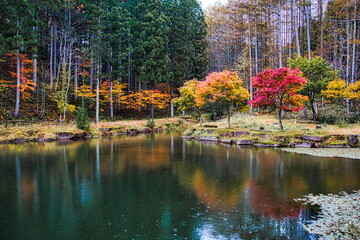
pixel 98 170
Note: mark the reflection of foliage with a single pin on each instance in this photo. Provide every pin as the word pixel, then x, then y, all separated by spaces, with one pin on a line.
pixel 264 202
pixel 339 217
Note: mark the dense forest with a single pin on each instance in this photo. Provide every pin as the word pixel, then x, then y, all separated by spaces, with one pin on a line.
pixel 108 55
pixel 128 58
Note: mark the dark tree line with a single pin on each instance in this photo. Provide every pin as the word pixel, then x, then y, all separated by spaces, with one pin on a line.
pixel 65 50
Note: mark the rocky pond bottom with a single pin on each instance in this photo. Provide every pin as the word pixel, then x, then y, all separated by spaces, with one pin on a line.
pixel 160 186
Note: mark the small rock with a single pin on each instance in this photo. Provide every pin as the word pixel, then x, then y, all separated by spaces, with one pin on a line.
pixel 227 141
pixel 244 142
pixel 303 145
pixel 209 139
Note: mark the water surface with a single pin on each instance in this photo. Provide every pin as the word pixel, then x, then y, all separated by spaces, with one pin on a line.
pixel 161 187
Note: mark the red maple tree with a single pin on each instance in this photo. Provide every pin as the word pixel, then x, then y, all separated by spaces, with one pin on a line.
pixel 278 89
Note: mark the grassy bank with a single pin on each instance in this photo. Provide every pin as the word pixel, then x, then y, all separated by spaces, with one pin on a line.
pixel 264 129
pixel 50 130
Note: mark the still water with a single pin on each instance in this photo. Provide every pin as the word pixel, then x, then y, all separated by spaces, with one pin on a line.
pixel 161 187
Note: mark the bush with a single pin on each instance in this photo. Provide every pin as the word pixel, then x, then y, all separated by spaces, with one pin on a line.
pixel 150 123
pixel 82 121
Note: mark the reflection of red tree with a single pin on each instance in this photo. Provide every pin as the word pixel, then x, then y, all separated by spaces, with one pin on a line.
pixel 264 201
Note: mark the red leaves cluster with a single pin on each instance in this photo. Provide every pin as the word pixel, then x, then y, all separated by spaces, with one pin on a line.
pixel 278 88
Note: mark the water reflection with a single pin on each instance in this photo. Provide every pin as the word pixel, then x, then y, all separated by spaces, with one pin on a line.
pixel 160 187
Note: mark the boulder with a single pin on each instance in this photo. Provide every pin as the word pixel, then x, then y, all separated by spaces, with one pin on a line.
pixel 353 140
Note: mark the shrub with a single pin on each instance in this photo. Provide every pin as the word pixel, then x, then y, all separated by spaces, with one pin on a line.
pixel 150 123
pixel 82 121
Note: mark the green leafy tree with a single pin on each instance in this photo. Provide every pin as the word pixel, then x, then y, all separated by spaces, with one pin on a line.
pixel 319 73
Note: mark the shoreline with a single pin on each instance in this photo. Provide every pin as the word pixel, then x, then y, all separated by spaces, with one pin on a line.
pixel 64 132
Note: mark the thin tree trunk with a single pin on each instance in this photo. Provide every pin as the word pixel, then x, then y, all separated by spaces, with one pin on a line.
pixel 76 77
pixel 51 57
pixel 250 65
pixel 172 103
pixel 35 71
pixel 308 17
pixel 353 73
pixel 320 3
pixel 18 84
pixel 279 34
pixel 298 52
pixel 347 53
pixel 97 93
pixel 111 101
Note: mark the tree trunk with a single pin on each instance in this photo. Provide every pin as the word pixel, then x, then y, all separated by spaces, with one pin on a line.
pixel 76 77
pixel 280 35
pixel 171 103
pixel 97 93
pixel 280 119
pixel 353 73
pixel 35 71
pixel 18 84
pixel 51 57
pixel 111 101
pixel 308 17
pixel 296 26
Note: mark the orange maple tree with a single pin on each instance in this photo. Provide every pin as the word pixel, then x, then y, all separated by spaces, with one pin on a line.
pixel 224 88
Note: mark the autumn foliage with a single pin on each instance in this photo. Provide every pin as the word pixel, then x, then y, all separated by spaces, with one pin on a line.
pixel 278 89
pixel 224 88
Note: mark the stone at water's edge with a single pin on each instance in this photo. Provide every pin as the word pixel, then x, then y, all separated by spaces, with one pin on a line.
pixel 266 145
pixel 18 140
pixel 227 141
pixel 303 145
pixel 244 142
pixel 313 138
pixel 353 139
pixel 209 139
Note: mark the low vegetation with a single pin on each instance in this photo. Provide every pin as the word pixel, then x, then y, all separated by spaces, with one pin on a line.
pixel 339 216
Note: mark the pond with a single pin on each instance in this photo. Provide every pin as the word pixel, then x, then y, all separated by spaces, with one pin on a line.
pixel 161 187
